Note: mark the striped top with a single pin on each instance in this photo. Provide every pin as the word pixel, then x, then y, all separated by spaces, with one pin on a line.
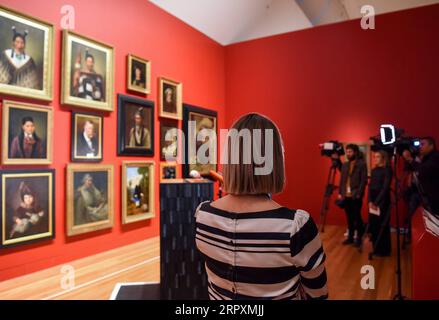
pixel 274 254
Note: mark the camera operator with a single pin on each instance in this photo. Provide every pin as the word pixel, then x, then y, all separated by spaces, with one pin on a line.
pixel 353 183
pixel 426 168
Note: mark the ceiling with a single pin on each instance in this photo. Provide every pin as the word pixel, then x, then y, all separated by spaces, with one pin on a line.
pixel 231 21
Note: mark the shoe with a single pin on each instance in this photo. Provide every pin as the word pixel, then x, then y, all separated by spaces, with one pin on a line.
pixel 348 241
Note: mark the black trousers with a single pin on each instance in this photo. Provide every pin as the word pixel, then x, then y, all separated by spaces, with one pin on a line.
pixel 353 214
pixel 381 224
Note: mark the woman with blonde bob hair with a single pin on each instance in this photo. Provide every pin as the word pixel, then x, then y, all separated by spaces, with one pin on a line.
pixel 253 247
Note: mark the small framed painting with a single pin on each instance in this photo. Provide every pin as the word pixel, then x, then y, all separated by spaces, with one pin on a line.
pixel 87 137
pixel 169 171
pixel 170 98
pixel 137 191
pixel 138 74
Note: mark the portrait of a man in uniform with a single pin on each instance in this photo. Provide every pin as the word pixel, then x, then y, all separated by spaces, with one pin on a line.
pixel 87 82
pixel 87 73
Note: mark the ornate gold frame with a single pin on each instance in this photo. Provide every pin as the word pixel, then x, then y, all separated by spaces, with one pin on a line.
pixel 179 86
pixel 151 214
pixel 93 226
pixel 50 213
pixel 7 105
pixel 66 98
pixel 131 87
pixel 47 92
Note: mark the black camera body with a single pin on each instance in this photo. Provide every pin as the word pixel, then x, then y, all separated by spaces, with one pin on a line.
pixel 331 147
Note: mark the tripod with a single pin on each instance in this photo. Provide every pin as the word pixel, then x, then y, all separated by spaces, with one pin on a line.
pixel 398 295
pixel 329 190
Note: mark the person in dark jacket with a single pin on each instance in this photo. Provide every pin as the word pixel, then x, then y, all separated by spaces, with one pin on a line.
pixel 353 183
pixel 379 203
pixel 427 172
pixel 88 145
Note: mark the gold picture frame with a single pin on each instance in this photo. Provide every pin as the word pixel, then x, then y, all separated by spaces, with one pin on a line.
pixel 37 221
pixel 175 95
pixel 72 92
pixel 42 118
pixel 82 216
pixel 167 164
pixel 79 148
pixel 40 61
pixel 135 202
pixel 146 88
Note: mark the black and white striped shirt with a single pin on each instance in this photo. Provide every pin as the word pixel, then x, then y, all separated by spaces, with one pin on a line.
pixel 274 254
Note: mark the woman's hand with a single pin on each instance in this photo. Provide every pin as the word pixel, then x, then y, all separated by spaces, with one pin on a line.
pixel 373 206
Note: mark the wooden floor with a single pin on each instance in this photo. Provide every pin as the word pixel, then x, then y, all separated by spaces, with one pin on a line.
pixel 96 276
pixel 344 265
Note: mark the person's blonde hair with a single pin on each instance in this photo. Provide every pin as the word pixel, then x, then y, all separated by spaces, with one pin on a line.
pixel 384 156
pixel 240 178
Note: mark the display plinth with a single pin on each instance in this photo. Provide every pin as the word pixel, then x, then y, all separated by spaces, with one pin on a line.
pixel 182 272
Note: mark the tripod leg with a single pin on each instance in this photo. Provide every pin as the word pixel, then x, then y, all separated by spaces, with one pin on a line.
pixel 380 234
pixel 366 230
pixel 326 197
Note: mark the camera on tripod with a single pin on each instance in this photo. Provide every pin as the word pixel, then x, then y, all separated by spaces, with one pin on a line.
pixel 392 139
pixel 331 147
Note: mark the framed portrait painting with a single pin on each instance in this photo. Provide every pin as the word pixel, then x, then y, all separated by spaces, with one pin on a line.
pixel 135 131
pixel 137 191
pixel 27 133
pixel 89 198
pixel 170 98
pixel 138 74
pixel 199 143
pixel 87 137
pixel 168 140
pixel 87 73
pixel 26 56
pixel 27 206
pixel 169 171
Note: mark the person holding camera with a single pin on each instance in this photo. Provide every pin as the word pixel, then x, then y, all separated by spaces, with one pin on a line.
pixel 426 169
pixel 353 183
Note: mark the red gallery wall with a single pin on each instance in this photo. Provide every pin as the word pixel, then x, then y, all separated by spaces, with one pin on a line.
pixel 337 82
pixel 330 82
pixel 176 50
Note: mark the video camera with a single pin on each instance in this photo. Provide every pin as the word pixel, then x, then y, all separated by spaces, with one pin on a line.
pixel 391 138
pixel 329 148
